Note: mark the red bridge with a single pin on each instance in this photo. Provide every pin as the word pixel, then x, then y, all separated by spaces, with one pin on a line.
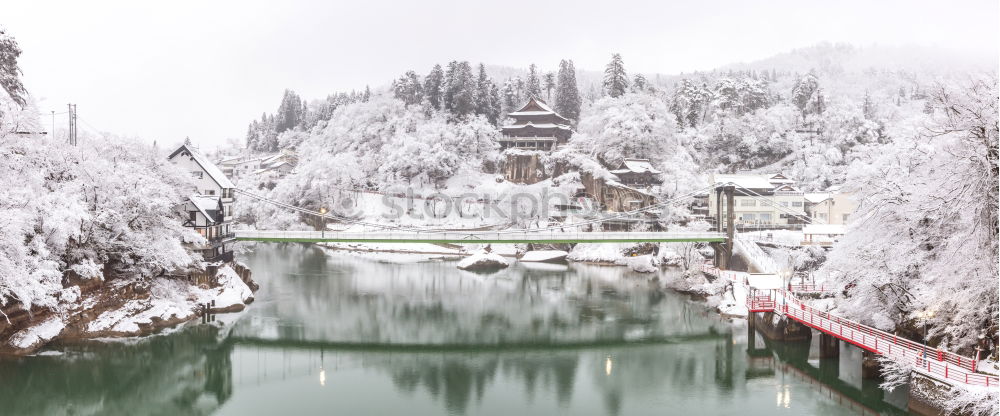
pixel 934 362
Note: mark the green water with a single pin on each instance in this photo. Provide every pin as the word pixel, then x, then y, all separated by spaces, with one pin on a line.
pixel 353 335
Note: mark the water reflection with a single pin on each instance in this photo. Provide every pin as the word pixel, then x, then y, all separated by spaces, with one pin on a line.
pixel 343 334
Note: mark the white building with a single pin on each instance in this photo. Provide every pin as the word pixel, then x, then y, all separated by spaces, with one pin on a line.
pixel 209 209
pixel 761 200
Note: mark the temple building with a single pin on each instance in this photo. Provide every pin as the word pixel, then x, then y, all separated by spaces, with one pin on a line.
pixel 536 127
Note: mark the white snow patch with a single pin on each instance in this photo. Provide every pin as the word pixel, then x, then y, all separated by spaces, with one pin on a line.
pixel 481 260
pixel 544 255
pixel 40 333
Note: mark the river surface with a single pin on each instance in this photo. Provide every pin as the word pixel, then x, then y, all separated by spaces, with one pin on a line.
pixel 356 334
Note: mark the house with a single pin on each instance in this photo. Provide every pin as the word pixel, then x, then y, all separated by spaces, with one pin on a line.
pixel 279 164
pixel 239 167
pixel 637 173
pixel 830 207
pixel 536 126
pixel 761 200
pixel 209 209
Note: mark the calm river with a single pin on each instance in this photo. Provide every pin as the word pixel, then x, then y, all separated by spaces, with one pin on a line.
pixel 350 334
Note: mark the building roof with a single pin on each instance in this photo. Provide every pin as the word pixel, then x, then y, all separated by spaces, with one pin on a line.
pixel 538 126
pixel 779 178
pixel 817 197
pixel 205 203
pixel 743 180
pixel 636 166
pixel 764 281
pixel 821 229
pixel 536 107
pixel 206 165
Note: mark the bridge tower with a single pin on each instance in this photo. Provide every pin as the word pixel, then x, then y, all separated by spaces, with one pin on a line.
pixel 724 251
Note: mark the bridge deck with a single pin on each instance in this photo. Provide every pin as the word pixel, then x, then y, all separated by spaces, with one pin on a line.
pixel 478 237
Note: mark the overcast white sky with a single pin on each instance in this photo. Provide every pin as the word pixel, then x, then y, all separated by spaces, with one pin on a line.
pixel 204 69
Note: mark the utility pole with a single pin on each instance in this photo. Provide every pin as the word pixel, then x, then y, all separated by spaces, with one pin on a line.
pixel 72 124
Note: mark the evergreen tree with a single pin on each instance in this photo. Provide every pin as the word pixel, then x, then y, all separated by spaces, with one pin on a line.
pixel 432 87
pixel 568 99
pixel 368 94
pixel 10 79
pixel 509 94
pixel 868 107
pixel 484 97
pixel 639 84
pixel 187 140
pixel 550 84
pixel 460 89
pixel 494 112
pixel 806 94
pixel 534 86
pixel 289 112
pixel 519 87
pixel 615 78
pixel 408 88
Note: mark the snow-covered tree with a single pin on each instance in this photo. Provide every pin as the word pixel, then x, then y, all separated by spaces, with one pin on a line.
pixel 615 78
pixel 408 88
pixel 289 113
pixel 533 86
pixel 635 125
pixel 433 85
pixel 459 89
pixel 923 245
pixel 10 73
pixel 567 94
pixel 550 84
pixel 639 84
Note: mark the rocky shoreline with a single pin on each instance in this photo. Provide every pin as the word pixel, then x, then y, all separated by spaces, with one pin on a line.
pixel 98 308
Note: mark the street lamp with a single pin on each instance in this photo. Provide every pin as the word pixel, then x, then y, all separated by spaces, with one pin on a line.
pixel 322 230
pixel 925 316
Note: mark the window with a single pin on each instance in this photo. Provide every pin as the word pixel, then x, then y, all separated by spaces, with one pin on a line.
pixel 198 174
pixel 822 216
pixel 747 217
pixel 845 217
pixel 209 192
pixel 784 203
pixel 765 217
pixel 193 216
pixel 797 203
pixel 748 203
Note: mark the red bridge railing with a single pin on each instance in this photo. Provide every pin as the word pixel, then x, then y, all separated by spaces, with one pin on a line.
pixel 939 363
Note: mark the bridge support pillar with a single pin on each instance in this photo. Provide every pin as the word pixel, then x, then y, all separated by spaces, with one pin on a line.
pixel 829 346
pixel 777 328
pixel 870 367
pixel 730 223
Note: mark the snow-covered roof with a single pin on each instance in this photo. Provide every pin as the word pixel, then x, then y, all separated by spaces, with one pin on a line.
pixel 206 165
pixel 779 178
pixel 205 203
pixel 821 229
pixel 764 281
pixel 817 197
pixel 537 126
pixel 636 166
pixel 745 181
pixel 535 107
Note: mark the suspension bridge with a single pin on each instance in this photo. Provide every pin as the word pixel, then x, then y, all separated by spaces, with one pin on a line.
pixel 587 231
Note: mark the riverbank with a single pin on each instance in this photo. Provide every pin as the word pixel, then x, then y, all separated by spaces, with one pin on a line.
pixel 98 308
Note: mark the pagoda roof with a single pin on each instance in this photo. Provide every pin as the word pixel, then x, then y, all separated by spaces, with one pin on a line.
pixel 536 107
pixel 538 126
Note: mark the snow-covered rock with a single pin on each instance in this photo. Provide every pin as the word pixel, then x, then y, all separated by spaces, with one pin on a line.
pixel 642 264
pixel 33 336
pixel 548 256
pixel 483 260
